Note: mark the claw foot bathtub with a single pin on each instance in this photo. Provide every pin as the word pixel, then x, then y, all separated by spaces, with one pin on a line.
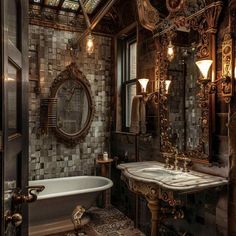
pixel 52 211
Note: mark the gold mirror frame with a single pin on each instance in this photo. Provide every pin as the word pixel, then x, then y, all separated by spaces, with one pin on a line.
pixel 73 73
pixel 205 23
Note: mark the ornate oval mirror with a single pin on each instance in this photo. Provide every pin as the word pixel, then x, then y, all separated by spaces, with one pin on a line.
pixel 75 107
pixel 186 108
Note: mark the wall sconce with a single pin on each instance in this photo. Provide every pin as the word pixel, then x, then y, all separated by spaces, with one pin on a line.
pixel 170 52
pixel 90 44
pixel 143 82
pixel 204 66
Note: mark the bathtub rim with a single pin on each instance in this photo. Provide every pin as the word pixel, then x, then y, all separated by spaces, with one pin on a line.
pixel 108 185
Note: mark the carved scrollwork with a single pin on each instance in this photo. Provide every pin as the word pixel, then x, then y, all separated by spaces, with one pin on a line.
pixel 168 196
pixel 149 190
pixel 204 22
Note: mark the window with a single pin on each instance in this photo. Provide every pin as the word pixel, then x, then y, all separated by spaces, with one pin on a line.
pixel 129 52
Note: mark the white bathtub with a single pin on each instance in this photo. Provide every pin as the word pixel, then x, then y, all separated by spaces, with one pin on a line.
pixel 60 197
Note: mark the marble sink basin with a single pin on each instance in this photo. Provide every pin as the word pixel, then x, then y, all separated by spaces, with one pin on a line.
pixel 170 179
pixel 156 172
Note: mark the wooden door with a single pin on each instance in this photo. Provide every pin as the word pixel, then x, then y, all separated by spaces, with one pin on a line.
pixel 14 114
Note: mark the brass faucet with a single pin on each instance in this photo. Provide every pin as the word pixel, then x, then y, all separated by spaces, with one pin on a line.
pixel 177 157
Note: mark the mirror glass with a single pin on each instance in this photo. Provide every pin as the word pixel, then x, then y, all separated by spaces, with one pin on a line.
pixel 184 112
pixel 72 107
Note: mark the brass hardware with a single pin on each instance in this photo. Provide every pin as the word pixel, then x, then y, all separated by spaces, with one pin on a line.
pixel 15 218
pixel 177 157
pixel 19 198
pixel 167 163
pixel 176 162
pixel 187 161
pixel 227 81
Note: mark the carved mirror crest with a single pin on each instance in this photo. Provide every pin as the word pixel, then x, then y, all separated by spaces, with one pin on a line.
pixel 74 105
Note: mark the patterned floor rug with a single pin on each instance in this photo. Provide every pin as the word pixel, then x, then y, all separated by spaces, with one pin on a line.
pixel 106 222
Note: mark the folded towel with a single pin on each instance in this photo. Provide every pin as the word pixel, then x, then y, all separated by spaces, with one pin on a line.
pixel 138 115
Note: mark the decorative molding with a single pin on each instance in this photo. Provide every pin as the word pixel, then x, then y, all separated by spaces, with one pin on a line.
pixel 148 15
pixel 149 190
pixel 168 196
pixel 211 14
pixel 203 22
pixel 187 18
pixel 227 67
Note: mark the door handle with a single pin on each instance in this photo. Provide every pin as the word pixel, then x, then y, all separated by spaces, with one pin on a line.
pixel 15 218
pixel 18 197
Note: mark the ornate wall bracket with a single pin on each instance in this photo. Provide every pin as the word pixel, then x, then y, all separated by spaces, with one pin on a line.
pixel 148 15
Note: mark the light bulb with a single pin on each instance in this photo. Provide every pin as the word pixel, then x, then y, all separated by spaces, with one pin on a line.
pixel 170 52
pixel 90 44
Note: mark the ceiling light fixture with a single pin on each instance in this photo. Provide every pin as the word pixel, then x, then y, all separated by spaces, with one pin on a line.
pixel 90 39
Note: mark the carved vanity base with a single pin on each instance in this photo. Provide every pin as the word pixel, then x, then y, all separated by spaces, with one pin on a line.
pixel 151 192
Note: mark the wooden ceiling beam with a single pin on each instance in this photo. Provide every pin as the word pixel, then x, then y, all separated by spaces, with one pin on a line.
pixel 60 5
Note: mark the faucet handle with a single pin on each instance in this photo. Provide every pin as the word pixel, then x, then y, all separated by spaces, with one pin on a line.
pixel 176 161
pixel 167 162
pixel 187 161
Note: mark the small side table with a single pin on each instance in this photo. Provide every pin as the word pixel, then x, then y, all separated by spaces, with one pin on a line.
pixel 105 167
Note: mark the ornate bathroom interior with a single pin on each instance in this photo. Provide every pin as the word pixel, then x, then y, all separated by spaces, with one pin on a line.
pixel 118 117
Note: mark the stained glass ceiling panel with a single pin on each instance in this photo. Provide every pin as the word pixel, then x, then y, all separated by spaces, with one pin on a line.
pixel 72 5
pixel 53 3
pixel 90 5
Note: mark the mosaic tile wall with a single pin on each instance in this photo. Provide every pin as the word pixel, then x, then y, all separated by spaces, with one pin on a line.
pixel 49 55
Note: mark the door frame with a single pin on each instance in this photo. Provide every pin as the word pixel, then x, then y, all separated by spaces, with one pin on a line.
pixel 9 53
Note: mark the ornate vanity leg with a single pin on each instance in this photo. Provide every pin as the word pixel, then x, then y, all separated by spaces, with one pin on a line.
pixel 153 206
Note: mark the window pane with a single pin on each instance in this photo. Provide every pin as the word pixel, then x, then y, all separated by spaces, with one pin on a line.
pixel 130 93
pixel 11 98
pixel 12 21
pixel 132 60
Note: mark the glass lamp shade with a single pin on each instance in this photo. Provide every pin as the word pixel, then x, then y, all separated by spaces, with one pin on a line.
pixel 90 44
pixel 204 66
pixel 143 82
pixel 167 85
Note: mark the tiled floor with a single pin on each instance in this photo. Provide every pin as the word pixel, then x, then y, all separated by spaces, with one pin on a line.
pixel 106 222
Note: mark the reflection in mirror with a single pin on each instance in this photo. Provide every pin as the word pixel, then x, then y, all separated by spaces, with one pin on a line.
pixel 72 107
pixel 183 105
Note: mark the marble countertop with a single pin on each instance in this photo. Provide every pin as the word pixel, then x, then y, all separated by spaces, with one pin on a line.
pixel 153 171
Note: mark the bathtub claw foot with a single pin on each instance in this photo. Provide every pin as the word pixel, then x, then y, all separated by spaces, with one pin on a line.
pixel 78 218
